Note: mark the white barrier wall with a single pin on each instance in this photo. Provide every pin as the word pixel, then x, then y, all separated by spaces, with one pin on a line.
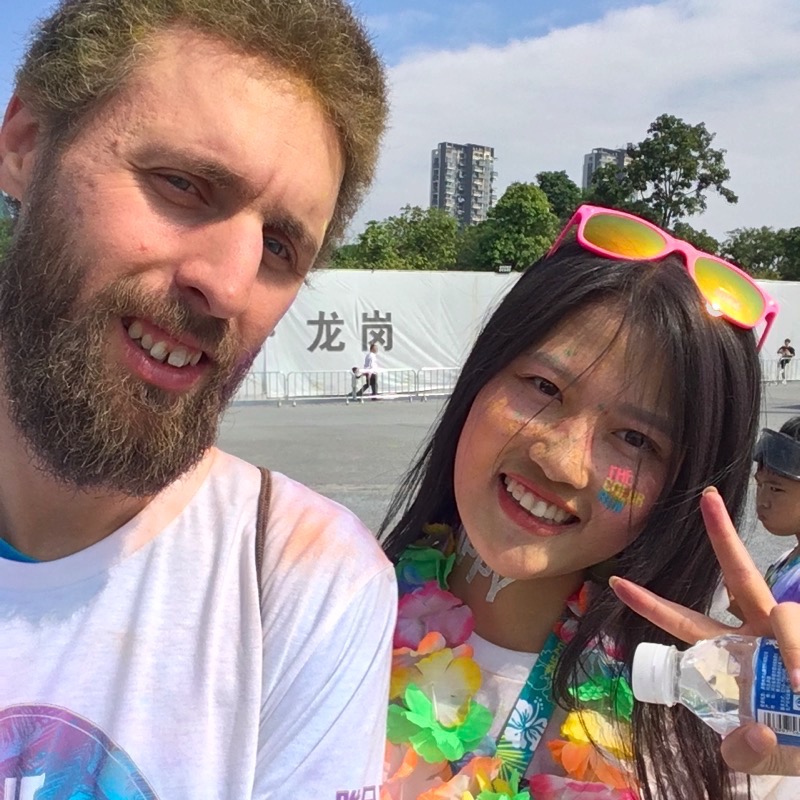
pixel 419 319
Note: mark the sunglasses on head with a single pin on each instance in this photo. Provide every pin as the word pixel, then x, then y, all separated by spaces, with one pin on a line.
pixel 729 292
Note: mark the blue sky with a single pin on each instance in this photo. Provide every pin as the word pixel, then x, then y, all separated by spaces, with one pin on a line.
pixel 400 27
pixel 545 81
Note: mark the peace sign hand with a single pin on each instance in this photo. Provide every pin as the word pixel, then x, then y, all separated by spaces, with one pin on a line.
pixel 751 748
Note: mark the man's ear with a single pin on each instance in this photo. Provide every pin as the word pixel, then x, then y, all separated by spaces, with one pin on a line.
pixel 19 142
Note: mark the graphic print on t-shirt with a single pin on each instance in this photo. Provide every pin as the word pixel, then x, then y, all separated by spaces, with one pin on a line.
pixel 49 753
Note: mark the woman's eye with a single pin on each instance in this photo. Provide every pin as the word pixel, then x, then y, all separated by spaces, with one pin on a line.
pixel 545 387
pixel 637 440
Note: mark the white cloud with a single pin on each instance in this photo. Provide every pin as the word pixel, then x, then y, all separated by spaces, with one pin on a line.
pixel 544 102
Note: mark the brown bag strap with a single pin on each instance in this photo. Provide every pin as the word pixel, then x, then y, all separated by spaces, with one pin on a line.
pixel 262 518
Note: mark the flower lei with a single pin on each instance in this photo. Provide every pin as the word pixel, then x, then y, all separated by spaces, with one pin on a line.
pixel 438 745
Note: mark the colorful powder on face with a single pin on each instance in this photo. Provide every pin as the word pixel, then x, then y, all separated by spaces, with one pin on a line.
pixel 618 492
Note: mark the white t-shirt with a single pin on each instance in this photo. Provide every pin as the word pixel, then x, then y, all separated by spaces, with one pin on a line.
pixel 371 362
pixel 504 673
pixel 143 667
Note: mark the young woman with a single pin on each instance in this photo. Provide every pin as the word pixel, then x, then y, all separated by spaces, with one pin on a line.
pixel 617 380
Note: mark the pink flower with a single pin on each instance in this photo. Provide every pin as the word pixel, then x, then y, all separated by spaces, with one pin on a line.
pixel 428 609
pixel 554 787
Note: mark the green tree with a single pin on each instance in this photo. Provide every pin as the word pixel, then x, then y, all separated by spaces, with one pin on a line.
pixel 345 257
pixel 611 188
pixel 473 247
pixel 563 194
pixel 759 251
pixel 701 239
pixel 521 227
pixel 790 240
pixel 672 170
pixel 415 239
pixel 426 238
pixel 377 247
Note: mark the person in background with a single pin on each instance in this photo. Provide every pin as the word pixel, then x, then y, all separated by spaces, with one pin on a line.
pixel 786 354
pixel 175 624
pixel 566 455
pixel 354 382
pixel 777 456
pixel 370 371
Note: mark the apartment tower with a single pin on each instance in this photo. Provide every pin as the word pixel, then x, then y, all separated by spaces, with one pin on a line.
pixel 462 181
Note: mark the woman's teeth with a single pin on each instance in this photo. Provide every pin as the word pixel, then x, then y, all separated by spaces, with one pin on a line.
pixel 534 505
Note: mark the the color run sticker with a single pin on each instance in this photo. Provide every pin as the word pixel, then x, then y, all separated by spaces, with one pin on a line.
pixel 618 492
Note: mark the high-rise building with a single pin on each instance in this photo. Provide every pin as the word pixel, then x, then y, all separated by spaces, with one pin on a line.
pixel 599 157
pixel 462 181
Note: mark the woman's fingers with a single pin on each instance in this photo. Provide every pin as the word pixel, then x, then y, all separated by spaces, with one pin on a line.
pixel 754 749
pixel 785 623
pixel 684 624
pixel 742 576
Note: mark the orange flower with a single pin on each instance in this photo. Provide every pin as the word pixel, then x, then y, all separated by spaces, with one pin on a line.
pixel 476 776
pixel 592 750
pixel 408 776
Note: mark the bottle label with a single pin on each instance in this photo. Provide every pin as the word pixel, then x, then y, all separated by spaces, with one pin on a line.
pixel 774 704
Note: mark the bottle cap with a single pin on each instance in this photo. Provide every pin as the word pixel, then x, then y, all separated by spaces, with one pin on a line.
pixel 653 673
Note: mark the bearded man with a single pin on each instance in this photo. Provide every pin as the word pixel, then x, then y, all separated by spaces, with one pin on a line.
pixel 167 630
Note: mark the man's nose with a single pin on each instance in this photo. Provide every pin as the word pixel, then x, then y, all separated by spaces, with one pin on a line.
pixel 564 451
pixel 220 271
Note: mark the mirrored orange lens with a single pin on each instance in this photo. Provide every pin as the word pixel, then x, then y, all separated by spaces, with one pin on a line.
pixel 728 292
pixel 623 237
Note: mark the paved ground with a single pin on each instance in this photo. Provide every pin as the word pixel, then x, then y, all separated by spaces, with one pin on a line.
pixel 357 453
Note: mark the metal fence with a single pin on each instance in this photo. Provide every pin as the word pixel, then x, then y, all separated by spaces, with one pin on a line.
pixel 432 381
pixel 343 385
pixel 262 386
pixel 421 383
pixel 772 372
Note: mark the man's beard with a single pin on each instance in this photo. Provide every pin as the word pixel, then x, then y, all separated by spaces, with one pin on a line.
pixel 87 420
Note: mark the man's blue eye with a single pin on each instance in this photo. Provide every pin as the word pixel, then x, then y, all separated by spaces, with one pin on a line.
pixel 182 184
pixel 275 247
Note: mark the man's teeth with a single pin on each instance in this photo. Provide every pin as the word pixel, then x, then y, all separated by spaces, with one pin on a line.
pixel 160 351
pixel 534 505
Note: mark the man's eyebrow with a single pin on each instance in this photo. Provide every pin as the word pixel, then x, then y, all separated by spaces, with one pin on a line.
pixel 220 175
pixel 290 227
pixel 208 168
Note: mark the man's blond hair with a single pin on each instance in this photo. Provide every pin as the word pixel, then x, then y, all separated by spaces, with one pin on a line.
pixel 86 50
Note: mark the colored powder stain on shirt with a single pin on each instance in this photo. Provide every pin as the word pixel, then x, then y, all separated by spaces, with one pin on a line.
pixel 12 554
pixel 783 578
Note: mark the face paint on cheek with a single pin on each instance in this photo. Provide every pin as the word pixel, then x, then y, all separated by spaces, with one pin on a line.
pixel 480 567
pixel 618 492
pixel 505 415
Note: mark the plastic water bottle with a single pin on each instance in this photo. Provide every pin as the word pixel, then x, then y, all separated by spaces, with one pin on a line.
pixel 725 681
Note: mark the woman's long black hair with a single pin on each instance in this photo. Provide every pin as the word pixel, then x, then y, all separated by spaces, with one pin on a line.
pixel 712 370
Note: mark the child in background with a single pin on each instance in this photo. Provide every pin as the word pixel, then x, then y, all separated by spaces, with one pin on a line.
pixel 778 502
pixel 604 394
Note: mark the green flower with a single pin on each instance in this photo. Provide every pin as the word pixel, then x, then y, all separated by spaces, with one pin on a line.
pixel 507 790
pixel 416 724
pixel 604 692
pixel 420 564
